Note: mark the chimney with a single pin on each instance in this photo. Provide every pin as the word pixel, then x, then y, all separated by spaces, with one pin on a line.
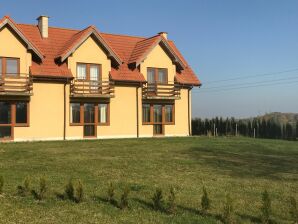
pixel 43 25
pixel 164 34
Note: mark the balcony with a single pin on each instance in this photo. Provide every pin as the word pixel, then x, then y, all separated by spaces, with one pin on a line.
pixel 161 91
pixel 16 85
pixel 90 88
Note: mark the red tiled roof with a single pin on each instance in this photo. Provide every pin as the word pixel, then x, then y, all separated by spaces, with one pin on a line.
pixel 128 49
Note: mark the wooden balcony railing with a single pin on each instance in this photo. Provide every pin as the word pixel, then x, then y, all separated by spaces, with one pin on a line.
pixel 90 88
pixel 16 84
pixel 161 91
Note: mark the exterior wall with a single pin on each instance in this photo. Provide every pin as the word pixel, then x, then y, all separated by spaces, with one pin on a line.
pixel 10 46
pixel 46 115
pixel 159 59
pixel 90 52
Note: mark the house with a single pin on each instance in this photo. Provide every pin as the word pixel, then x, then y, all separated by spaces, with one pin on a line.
pixel 58 83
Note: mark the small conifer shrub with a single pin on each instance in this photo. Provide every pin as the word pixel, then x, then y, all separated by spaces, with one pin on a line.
pixel 266 208
pixel 294 210
pixel 40 195
pixel 1 184
pixel 111 193
pixel 228 212
pixel 124 199
pixel 24 189
pixel 172 201
pixel 69 190
pixel 205 201
pixel 79 192
pixel 157 199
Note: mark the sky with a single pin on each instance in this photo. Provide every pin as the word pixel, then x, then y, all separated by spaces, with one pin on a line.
pixel 245 52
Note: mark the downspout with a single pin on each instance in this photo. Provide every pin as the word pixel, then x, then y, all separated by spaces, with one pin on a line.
pixel 188 105
pixel 137 103
pixel 64 125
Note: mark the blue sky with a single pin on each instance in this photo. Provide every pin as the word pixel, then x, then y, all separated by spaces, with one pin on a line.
pixel 220 39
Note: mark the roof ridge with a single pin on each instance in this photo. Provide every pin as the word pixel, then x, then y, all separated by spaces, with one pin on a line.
pixel 53 27
pixel 123 35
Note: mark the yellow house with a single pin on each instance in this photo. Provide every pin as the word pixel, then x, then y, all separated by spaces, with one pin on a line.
pixel 58 84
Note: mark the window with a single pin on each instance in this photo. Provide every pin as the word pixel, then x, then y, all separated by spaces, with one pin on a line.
pixel 157 75
pixel 81 71
pixel 89 115
pixel 158 129
pixel 146 113
pixel 103 113
pixel 168 113
pixel 75 115
pixel 90 72
pixel 12 114
pixel 158 113
pixel 9 66
pixel 21 113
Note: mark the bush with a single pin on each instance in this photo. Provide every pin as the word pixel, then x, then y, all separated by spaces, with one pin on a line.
pixel 42 189
pixel 157 199
pixel 228 213
pixel 69 190
pixel 1 184
pixel 24 189
pixel 111 193
pixel 79 192
pixel 172 202
pixel 205 201
pixel 266 207
pixel 293 210
pixel 124 199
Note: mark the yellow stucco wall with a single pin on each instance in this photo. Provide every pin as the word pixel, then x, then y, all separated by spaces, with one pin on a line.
pixel 46 114
pixel 10 46
pixel 90 52
pixel 159 59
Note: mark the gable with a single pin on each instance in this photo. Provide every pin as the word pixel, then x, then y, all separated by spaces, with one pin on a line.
pixel 90 52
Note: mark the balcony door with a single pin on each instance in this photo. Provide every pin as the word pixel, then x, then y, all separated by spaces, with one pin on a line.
pixel 157 76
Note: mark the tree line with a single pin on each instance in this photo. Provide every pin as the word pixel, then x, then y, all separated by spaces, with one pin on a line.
pixel 255 128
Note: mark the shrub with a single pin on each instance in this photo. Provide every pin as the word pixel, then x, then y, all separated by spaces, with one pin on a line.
pixel 79 192
pixel 172 201
pixel 266 207
pixel 1 184
pixel 24 189
pixel 111 193
pixel 157 199
pixel 293 210
pixel 228 213
pixel 205 201
pixel 124 199
pixel 69 190
pixel 42 189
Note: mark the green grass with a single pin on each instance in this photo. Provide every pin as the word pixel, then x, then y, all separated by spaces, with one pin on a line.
pixel 242 166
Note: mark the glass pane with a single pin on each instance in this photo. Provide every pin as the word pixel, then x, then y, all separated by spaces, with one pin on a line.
pixel 5 113
pixel 21 112
pixel 75 113
pixel 150 75
pixel 162 75
pixel 157 129
pixel 146 112
pixel 5 131
pixel 11 66
pixel 81 71
pixel 169 113
pixel 102 113
pixel 94 72
pixel 157 113
pixel 89 130
pixel 89 113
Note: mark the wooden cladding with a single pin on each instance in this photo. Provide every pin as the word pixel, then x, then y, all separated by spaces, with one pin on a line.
pixel 91 88
pixel 161 91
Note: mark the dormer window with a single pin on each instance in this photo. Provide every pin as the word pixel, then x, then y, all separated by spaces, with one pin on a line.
pixel 157 75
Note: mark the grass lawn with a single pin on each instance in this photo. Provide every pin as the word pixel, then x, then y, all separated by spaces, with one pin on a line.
pixel 242 166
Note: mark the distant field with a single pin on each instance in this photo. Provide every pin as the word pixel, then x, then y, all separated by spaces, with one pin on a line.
pixel 242 166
